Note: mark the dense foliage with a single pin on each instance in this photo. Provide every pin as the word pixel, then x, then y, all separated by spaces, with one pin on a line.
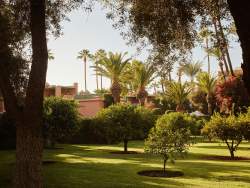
pixel 60 119
pixel 231 95
pixel 123 122
pixel 232 130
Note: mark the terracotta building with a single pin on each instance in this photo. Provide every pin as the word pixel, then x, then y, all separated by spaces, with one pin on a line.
pixel 68 92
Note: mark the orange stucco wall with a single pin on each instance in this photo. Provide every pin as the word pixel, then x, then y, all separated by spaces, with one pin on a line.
pixel 90 107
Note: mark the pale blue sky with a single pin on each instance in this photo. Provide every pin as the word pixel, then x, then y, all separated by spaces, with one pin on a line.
pixel 93 31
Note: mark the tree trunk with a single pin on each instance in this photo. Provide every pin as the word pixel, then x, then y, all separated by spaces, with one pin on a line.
pixel 219 43
pixel 209 105
pixel 101 82
pixel 162 87
pixel 164 166
pixel 125 141
pixel 225 47
pixel 29 122
pixel 232 154
pixel 29 149
pixel 85 74
pixel 241 14
pixel 208 57
pixel 97 83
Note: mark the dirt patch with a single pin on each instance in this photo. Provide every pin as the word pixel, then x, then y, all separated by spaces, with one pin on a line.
pixel 225 158
pixel 160 173
pixel 123 152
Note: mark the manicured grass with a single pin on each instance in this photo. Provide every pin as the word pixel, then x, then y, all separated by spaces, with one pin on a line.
pixel 93 166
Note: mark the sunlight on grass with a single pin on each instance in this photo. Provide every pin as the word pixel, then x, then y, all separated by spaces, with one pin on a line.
pixel 93 166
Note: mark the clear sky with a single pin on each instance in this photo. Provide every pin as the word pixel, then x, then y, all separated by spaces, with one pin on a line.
pixel 93 31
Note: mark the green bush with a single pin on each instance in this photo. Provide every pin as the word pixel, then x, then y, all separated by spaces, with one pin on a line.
pixel 60 120
pixel 170 137
pixel 230 129
pixel 89 132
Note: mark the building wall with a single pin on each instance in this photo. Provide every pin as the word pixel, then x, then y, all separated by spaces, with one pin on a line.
pixel 90 107
pixel 68 92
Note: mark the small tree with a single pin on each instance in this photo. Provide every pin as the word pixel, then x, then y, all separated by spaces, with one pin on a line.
pixel 118 123
pixel 231 130
pixel 60 119
pixel 170 137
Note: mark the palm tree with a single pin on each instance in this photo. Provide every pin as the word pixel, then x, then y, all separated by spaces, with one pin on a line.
pixel 216 52
pixel 99 55
pixel 206 83
pixel 191 69
pixel 205 35
pixel 179 93
pixel 142 76
pixel 84 54
pixel 112 67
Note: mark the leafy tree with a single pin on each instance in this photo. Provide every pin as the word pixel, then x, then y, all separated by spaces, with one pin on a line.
pixel 112 67
pixel 23 98
pixel 206 83
pixel 231 95
pixel 179 93
pixel 61 119
pixel 84 55
pixel 119 123
pixel 169 138
pixel 231 130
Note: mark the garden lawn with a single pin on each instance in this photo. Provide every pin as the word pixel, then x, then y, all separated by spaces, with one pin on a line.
pixel 93 166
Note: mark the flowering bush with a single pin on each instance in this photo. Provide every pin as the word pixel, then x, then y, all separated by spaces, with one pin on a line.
pixel 231 95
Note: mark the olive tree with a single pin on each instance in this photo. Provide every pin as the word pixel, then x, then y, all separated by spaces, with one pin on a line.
pixel 170 137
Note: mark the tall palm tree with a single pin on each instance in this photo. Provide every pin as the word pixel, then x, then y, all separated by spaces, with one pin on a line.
pixel 143 75
pixel 216 52
pixel 206 83
pixel 112 67
pixel 191 69
pixel 205 34
pixel 99 55
pixel 179 93
pixel 84 54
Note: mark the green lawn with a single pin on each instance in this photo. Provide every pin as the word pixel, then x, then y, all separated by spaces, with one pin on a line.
pixel 93 166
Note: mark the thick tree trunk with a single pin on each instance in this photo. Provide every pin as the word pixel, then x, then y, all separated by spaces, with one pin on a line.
pixel 29 149
pixel 29 143
pixel 125 141
pixel 241 14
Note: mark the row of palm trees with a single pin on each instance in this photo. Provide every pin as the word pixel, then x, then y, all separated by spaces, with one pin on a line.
pixel 124 73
